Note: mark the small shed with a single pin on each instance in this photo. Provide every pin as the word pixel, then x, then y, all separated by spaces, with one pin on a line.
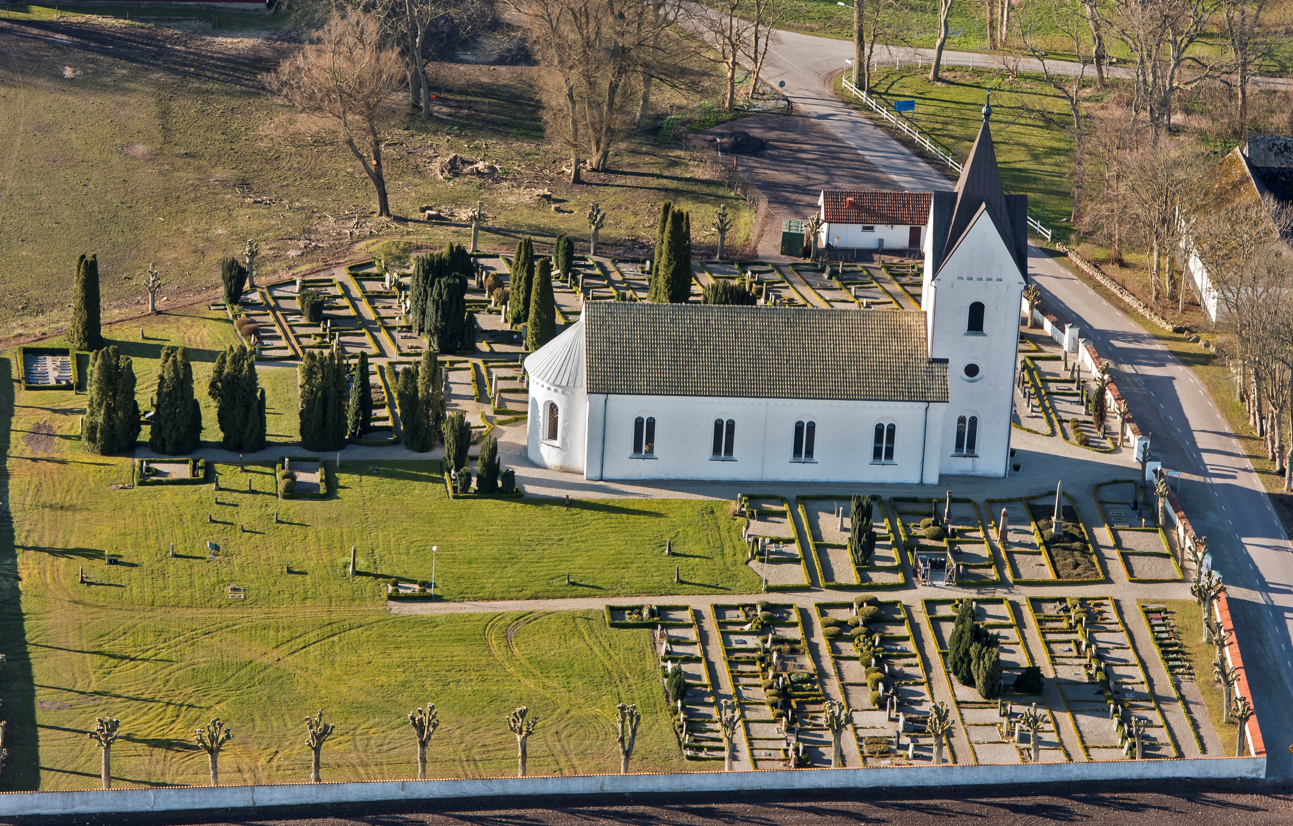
pixel 873 220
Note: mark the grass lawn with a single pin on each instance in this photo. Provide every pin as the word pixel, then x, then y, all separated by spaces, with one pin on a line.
pixel 1029 129
pixel 1189 625
pixel 163 673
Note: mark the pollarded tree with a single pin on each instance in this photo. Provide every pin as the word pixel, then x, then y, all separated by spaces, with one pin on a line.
pixel 522 728
pixel 106 731
pixel 1242 710
pixel 431 396
pixel 316 734
pixel 1033 720
pixel 359 414
pixel 211 738
pixel 152 286
pixel 177 420
pixel 937 725
pixel 1205 591
pixel 447 314
pixel 487 466
pixel 412 418
pixel 627 718
pixel 596 218
pixel 424 725
pixel 112 422
pixel 836 719
pixel 1032 295
pixel 323 401
pixel 1228 678
pixel 722 225
pixel 457 442
pixel 728 720
pixel 86 332
pixel 542 323
pixel 518 302
pixel 240 400
pixel 233 278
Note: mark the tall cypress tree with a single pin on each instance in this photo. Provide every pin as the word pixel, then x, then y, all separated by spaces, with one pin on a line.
pixel 309 403
pixel 448 314
pixel 86 332
pixel 682 276
pixel 419 291
pixel 542 324
pixel 959 655
pixel 412 419
pixel 240 400
pixel 112 422
pixel 487 466
pixel 430 397
pixel 661 238
pixel 519 288
pixel 177 420
pixel 338 401
pixel 359 415
pixel 323 401
pixel 457 441
pixel 671 274
pixel 233 278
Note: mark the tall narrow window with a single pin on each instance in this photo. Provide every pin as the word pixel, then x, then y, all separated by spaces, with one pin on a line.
pixel 877 449
pixel 960 435
pixel 644 436
pixel 718 438
pixel 972 436
pixel 797 453
pixel 890 436
pixel 639 432
pixel 805 439
pixel 810 439
pixel 882 447
pixel 552 421
pixel 729 438
pixel 648 444
pixel 975 324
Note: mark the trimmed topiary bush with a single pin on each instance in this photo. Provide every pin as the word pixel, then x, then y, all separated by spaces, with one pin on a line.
pixel 926 523
pixel 1029 681
pixel 868 615
pixel 832 631
pixel 311 303
pixel 766 616
pixel 864 599
pixel 873 680
pixel 935 533
pixel 876 699
pixel 286 486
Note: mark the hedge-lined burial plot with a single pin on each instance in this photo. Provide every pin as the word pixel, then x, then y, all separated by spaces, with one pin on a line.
pixel 959 530
pixel 897 672
pixel 1060 394
pixel 1135 534
pixel 828 537
pixel 627 280
pixel 765 279
pixel 381 427
pixel 860 283
pixel 909 278
pixel 503 388
pixel 775 684
pixel 593 280
pixel 1099 676
pixel 988 723
pixel 269 331
pixel 47 368
pixel 1034 559
pixel 341 322
pixel 823 285
pixel 676 637
pixel 381 291
pixel 774 548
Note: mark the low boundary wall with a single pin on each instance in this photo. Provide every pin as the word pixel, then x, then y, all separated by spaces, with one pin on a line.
pixel 15 804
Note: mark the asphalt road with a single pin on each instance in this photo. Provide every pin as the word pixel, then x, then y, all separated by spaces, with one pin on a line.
pixel 1222 493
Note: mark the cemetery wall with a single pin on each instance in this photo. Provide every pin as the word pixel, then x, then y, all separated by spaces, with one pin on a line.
pixel 16 804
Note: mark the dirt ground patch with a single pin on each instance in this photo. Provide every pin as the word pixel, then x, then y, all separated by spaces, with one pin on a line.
pixel 800 158
pixel 40 440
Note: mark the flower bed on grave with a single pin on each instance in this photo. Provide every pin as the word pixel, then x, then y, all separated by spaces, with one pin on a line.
pixel 1072 556
pixel 645 616
pixel 195 474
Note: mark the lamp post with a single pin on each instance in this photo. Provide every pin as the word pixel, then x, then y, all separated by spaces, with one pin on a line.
pixel 434 549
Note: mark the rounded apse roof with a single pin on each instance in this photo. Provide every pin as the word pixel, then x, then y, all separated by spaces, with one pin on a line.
pixel 560 362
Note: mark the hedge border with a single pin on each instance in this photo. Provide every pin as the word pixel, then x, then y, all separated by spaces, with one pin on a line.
pixel 895 547
pixel 197 473
pixel 325 488
pixel 745 498
pixel 1122 552
pixel 978 517
pixel 49 351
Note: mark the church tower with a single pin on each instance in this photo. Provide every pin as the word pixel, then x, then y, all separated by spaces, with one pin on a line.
pixel 976 259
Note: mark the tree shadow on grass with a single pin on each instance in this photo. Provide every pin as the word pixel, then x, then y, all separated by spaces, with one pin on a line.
pixel 101 653
pixel 605 507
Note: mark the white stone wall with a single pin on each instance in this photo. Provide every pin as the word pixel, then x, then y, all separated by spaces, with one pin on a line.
pixel 895 236
pixel 764 439
pixel 567 451
pixel 982 269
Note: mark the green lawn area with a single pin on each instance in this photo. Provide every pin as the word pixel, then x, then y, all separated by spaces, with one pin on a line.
pixel 1189 625
pixel 163 673
pixel 1029 129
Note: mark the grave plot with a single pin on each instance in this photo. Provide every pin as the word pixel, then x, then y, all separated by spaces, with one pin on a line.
pixel 1035 556
pixel 859 281
pixel 775 553
pixel 259 327
pixel 821 280
pixel 1061 394
pixel 45 368
pixel 684 673
pixel 775 685
pixel 503 389
pixel 1135 533
pixel 384 293
pixel 827 520
pixel 884 685
pixel 945 541
pixel 340 326
pixel 986 698
pixel 628 280
pixel 909 279
pixel 593 281
pixel 1100 678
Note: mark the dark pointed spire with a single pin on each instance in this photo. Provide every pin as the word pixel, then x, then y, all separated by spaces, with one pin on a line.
pixel 987 107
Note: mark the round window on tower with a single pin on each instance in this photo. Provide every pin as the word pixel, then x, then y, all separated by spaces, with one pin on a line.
pixel 971 372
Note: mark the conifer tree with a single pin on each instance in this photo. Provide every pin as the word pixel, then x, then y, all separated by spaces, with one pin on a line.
pixel 240 400
pixel 671 274
pixel 447 314
pixel 430 397
pixel 233 278
pixel 457 441
pixel 177 420
pixel 661 237
pixel 412 417
pixel 112 422
pixel 359 415
pixel 682 280
pixel 728 291
pixel 86 332
pixel 563 257
pixel 323 401
pixel 487 466
pixel 959 644
pixel 420 290
pixel 542 324
pixel 519 288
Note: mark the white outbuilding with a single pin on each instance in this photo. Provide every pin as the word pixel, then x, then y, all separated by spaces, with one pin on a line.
pixel 702 392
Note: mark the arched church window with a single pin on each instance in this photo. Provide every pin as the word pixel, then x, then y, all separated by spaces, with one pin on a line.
pixel 967 436
pixel 886 436
pixel 805 441
pixel 975 323
pixel 644 436
pixel 724 438
pixel 552 421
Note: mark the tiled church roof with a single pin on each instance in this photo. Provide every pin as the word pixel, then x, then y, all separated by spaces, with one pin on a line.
pixel 644 349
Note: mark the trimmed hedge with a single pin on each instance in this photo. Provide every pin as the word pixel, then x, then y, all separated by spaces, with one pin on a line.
pixel 197 473
pixel 294 494
pixel 48 351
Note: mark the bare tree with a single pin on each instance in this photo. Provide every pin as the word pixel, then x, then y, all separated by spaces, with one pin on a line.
pixel 424 725
pixel 106 731
pixel 728 719
pixel 317 733
pixel 725 30
pixel 627 718
pixel 522 728
pixel 869 19
pixel 1033 296
pixel 477 218
pixel 813 232
pixel 1242 710
pixel 1033 720
pixel 944 11
pixel 766 17
pixel 836 719
pixel 596 218
pixel 1065 16
pixel 1156 190
pixel 1241 24
pixel 152 285
pixel 1096 25
pixel 211 738
pixel 1113 135
pixel 1138 726
pixel 937 725
pixel 348 75
pixel 253 250
pixel 1205 591
pixel 666 11
pixel 722 225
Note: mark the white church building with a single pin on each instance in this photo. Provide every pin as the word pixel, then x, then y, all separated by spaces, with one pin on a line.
pixel 701 392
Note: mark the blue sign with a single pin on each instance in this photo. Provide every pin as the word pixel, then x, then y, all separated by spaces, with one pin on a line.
pixel 904 106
